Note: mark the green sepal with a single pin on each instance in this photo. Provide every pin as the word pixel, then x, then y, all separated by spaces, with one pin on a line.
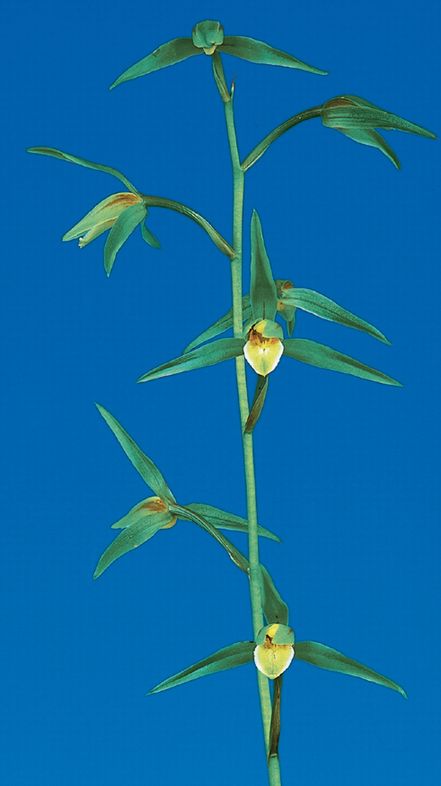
pixel 149 237
pixel 227 658
pixel 283 634
pixel 229 521
pixel 208 355
pixel 348 112
pixel 130 538
pixel 274 607
pixel 327 658
pixel 263 292
pixel 320 355
pixel 120 232
pixel 186 513
pixel 221 325
pixel 259 52
pixel 142 463
pixel 274 735
pixel 371 138
pixel 54 153
pixel 178 207
pixel 324 307
pixel 257 405
pixel 165 55
pixel 207 34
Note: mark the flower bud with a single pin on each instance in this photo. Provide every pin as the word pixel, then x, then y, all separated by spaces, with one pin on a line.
pixel 264 347
pixel 208 35
pixel 157 505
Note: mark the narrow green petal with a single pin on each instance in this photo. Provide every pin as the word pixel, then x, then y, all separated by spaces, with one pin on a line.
pixel 120 232
pixel 149 237
pixel 130 538
pixel 274 607
pixel 325 308
pixel 208 355
pixel 221 325
pixel 186 513
pixel 257 405
pixel 227 658
pixel 327 658
pixel 54 153
pixel 263 289
pixel 144 465
pixel 166 55
pixel 229 521
pixel 325 357
pixel 259 52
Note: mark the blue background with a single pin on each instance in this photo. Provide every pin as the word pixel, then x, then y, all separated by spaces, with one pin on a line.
pixel 347 470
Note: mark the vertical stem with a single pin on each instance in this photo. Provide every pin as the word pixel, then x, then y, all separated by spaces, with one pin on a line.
pixel 247 439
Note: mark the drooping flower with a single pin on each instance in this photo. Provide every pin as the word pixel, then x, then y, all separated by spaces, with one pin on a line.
pixel 102 217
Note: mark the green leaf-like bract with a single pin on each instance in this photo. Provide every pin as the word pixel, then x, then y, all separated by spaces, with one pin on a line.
pixel 324 307
pixel 263 291
pixel 120 232
pixel 227 658
pixel 325 357
pixel 328 658
pixel 166 55
pixel 229 521
pixel 145 466
pixel 259 52
pixel 54 153
pixel 221 325
pixel 208 355
pixel 274 607
pixel 257 405
pixel 130 538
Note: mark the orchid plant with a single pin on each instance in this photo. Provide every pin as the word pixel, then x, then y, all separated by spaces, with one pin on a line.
pixel 258 322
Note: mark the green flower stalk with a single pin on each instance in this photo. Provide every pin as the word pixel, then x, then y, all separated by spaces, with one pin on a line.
pixel 258 322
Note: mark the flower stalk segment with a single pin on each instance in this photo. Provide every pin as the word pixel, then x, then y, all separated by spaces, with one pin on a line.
pixel 247 438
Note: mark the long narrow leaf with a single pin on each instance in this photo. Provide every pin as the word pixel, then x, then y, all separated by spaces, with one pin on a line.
pixel 178 207
pixel 54 153
pixel 257 405
pixel 208 355
pixel 324 307
pixel 325 357
pixel 263 291
pixel 229 521
pixel 274 608
pixel 259 52
pixel 227 658
pixel 327 658
pixel 221 325
pixel 144 465
pixel 166 55
pixel 120 232
pixel 130 538
pixel 190 515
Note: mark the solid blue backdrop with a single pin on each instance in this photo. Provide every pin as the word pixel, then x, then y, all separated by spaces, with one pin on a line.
pixel 348 471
